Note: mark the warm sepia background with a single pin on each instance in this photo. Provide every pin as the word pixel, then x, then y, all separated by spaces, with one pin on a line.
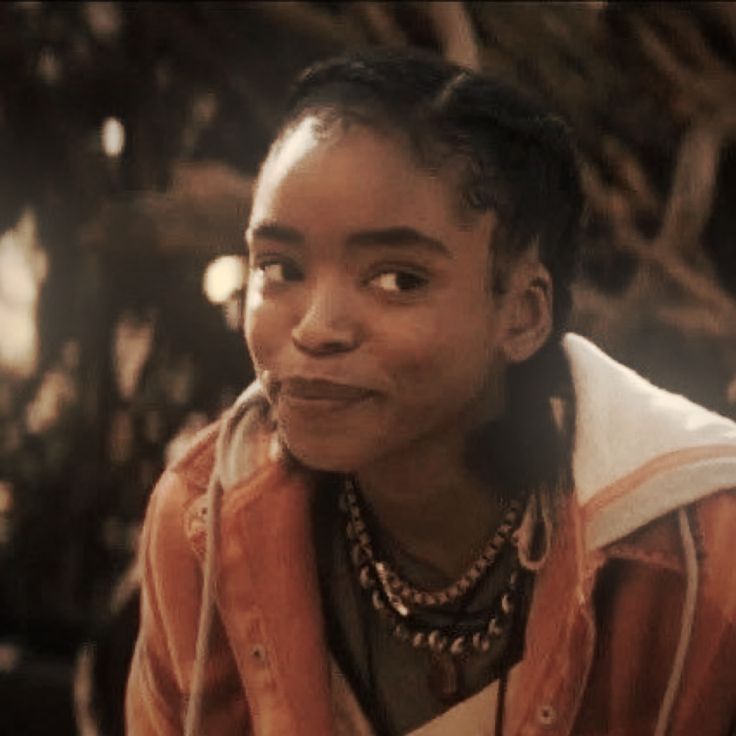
pixel 129 137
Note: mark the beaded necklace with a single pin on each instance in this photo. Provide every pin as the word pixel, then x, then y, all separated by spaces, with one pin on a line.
pixel 408 611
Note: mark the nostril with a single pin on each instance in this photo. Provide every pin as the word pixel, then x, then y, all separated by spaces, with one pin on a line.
pixel 321 337
pixel 328 322
pixel 321 346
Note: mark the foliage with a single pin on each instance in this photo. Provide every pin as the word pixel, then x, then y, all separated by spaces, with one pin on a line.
pixel 131 351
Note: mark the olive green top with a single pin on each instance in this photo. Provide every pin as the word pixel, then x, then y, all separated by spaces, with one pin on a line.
pixel 393 681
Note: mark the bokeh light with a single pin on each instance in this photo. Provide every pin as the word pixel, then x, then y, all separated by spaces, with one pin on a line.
pixel 23 269
pixel 223 277
pixel 112 134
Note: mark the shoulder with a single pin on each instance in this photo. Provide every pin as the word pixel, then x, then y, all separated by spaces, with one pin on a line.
pixel 705 530
pixel 195 464
pixel 712 520
pixel 177 496
pixel 235 447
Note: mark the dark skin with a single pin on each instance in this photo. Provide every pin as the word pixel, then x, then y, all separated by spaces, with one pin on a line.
pixel 374 331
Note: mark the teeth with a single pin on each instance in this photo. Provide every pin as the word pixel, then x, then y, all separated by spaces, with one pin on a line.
pixel 382 571
pixel 423 599
pixel 481 642
pixel 399 607
pixel 507 605
pixel 358 556
pixel 401 632
pixel 378 604
pixel 493 628
pixel 419 640
pixel 458 645
pixel 437 642
pixel 365 577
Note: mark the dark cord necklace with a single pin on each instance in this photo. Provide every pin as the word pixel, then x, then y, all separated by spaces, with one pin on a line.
pixel 421 618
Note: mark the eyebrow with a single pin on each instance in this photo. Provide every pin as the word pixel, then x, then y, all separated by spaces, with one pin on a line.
pixel 399 237
pixel 274 231
pixel 396 237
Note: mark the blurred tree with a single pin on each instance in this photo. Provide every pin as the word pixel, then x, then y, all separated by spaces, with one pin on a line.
pixel 130 134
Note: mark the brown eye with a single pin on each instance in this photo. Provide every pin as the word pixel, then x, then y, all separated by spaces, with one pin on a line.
pixel 397 282
pixel 279 272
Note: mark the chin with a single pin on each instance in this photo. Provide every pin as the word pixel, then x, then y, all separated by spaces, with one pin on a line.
pixel 325 454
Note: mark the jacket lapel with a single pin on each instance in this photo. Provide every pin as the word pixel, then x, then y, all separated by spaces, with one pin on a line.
pixel 545 688
pixel 268 597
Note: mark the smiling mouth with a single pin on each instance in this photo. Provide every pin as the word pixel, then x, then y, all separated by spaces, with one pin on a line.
pixel 322 391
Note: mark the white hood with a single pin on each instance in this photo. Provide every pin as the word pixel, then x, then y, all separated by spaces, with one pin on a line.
pixel 639 451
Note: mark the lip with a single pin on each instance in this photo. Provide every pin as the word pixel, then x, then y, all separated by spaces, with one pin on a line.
pixel 322 390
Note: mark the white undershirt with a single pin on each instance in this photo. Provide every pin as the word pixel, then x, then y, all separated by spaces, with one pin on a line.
pixel 471 717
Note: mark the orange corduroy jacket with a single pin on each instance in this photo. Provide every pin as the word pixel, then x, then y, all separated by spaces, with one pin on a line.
pixel 611 620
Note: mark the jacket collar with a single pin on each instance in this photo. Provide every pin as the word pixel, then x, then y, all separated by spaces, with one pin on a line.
pixel 640 452
pixel 268 593
pixel 268 598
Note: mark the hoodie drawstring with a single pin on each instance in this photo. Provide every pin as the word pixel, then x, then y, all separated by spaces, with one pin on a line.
pixel 686 625
pixel 193 716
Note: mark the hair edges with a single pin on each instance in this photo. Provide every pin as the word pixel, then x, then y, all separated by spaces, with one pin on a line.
pixel 448 91
pixel 528 448
pixel 517 158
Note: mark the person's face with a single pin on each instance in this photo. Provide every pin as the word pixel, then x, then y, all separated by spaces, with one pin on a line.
pixel 369 316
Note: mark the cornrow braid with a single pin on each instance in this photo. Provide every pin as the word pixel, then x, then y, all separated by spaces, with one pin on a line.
pixel 514 158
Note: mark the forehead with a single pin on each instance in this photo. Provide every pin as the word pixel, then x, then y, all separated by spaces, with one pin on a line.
pixel 352 175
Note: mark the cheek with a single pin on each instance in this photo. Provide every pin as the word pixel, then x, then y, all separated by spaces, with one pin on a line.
pixel 441 359
pixel 266 328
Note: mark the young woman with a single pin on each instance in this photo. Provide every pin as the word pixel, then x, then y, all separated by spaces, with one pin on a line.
pixel 433 514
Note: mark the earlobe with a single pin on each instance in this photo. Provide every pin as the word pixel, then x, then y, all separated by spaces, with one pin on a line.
pixel 529 311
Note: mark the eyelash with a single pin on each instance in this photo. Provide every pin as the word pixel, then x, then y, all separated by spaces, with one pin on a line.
pixel 291 272
pixel 417 280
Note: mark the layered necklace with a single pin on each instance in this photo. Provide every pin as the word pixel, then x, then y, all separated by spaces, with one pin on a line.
pixel 411 614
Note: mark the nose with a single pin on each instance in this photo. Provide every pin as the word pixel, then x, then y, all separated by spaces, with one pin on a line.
pixel 328 324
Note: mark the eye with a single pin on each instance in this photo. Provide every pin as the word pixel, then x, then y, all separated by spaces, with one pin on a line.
pixel 398 282
pixel 279 272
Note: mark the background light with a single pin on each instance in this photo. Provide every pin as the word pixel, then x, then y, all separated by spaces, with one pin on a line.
pixel 23 269
pixel 223 277
pixel 112 133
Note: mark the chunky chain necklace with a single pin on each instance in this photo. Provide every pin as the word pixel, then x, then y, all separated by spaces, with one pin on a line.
pixel 401 604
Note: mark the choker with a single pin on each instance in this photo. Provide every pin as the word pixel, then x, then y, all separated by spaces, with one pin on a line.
pixel 403 606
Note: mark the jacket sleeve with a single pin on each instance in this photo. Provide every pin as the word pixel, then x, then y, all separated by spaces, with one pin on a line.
pixel 710 667
pixel 170 594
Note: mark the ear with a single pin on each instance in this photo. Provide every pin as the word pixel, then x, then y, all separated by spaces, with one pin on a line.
pixel 527 308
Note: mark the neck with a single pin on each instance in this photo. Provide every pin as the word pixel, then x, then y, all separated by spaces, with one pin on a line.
pixel 427 500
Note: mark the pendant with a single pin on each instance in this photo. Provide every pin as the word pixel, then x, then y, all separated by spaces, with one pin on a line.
pixel 445 677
